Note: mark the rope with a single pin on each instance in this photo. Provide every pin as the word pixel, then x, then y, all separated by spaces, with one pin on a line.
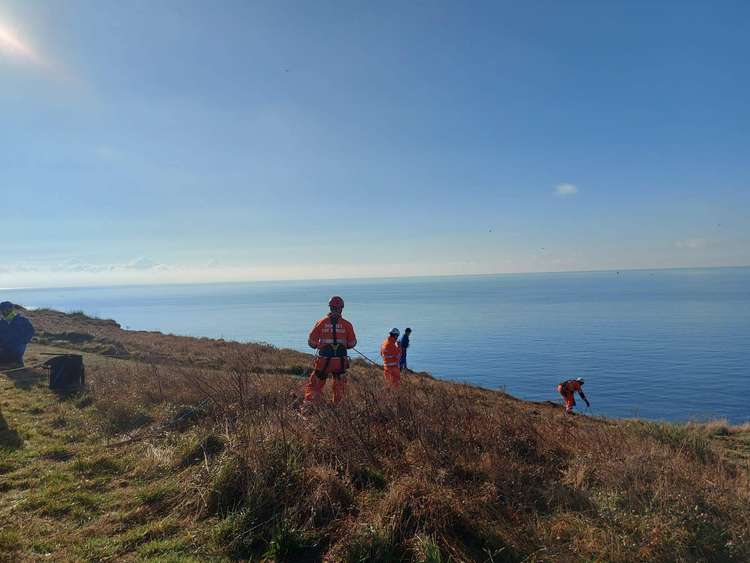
pixel 22 368
pixel 366 358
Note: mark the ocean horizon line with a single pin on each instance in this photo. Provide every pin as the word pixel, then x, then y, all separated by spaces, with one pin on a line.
pixel 371 278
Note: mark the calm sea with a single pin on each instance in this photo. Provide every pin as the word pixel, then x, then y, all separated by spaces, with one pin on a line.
pixel 667 344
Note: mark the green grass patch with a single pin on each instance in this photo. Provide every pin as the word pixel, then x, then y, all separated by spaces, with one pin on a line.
pixel 98 549
pixel 236 535
pixel 116 417
pixel 372 544
pixel 82 315
pixel 158 496
pixel 430 551
pixel 58 422
pixel 206 447
pixel 74 438
pixel 58 502
pixel 7 467
pixel 41 547
pixel 287 543
pixel 175 548
pixel 10 541
pixel 369 478
pixel 83 400
pixel 150 531
pixel 57 453
pixel 98 466
pixel 228 488
pixel 680 437
pixel 84 502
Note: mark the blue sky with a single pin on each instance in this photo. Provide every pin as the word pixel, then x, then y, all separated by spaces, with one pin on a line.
pixel 192 141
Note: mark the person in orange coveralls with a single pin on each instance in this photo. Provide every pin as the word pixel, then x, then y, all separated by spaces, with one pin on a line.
pixel 331 336
pixel 390 351
pixel 568 389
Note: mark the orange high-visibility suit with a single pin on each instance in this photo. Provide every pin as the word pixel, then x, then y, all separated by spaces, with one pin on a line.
pixel 332 336
pixel 390 351
pixel 568 389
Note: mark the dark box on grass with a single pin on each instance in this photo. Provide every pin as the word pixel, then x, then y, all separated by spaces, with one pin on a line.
pixel 66 371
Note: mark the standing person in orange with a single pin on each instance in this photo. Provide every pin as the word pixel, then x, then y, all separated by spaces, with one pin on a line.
pixel 331 336
pixel 390 351
pixel 568 389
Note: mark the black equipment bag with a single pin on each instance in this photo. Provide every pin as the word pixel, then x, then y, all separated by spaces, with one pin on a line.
pixel 66 371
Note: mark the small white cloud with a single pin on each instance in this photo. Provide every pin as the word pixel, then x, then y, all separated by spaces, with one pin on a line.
pixel 142 264
pixel 75 265
pixel 565 190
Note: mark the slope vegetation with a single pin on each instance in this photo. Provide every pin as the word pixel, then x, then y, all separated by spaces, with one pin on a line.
pixel 193 449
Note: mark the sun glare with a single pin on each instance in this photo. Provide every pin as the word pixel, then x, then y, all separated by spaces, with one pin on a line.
pixel 13 46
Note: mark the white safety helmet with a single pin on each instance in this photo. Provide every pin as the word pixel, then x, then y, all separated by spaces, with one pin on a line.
pixel 394 332
pixel 579 380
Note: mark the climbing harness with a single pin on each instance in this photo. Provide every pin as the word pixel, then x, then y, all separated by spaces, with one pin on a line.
pixel 333 350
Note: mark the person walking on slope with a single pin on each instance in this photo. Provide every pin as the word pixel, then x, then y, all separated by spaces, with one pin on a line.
pixel 15 334
pixel 404 343
pixel 390 351
pixel 331 336
pixel 568 389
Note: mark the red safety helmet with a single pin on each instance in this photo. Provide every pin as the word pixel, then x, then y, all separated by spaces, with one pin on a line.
pixel 336 301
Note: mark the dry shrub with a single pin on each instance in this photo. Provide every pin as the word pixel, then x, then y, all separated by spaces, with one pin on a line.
pixel 202 450
pixel 412 507
pixel 438 468
pixel 364 542
pixel 719 427
pixel 327 498
pixel 228 486
pixel 145 385
pixel 116 417
pixel 572 536
pixel 154 459
pixel 740 428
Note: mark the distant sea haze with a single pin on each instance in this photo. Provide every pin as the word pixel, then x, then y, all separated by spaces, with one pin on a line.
pixel 661 344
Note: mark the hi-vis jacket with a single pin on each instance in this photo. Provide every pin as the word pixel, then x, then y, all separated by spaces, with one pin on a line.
pixel 331 343
pixel 569 387
pixel 390 351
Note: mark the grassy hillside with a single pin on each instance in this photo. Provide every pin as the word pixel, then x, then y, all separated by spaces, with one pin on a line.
pixel 194 449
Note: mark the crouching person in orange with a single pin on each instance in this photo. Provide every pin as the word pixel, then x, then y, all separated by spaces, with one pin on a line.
pixel 331 336
pixel 568 390
pixel 390 351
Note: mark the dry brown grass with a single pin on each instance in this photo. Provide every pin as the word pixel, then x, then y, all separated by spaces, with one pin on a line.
pixel 155 347
pixel 436 472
